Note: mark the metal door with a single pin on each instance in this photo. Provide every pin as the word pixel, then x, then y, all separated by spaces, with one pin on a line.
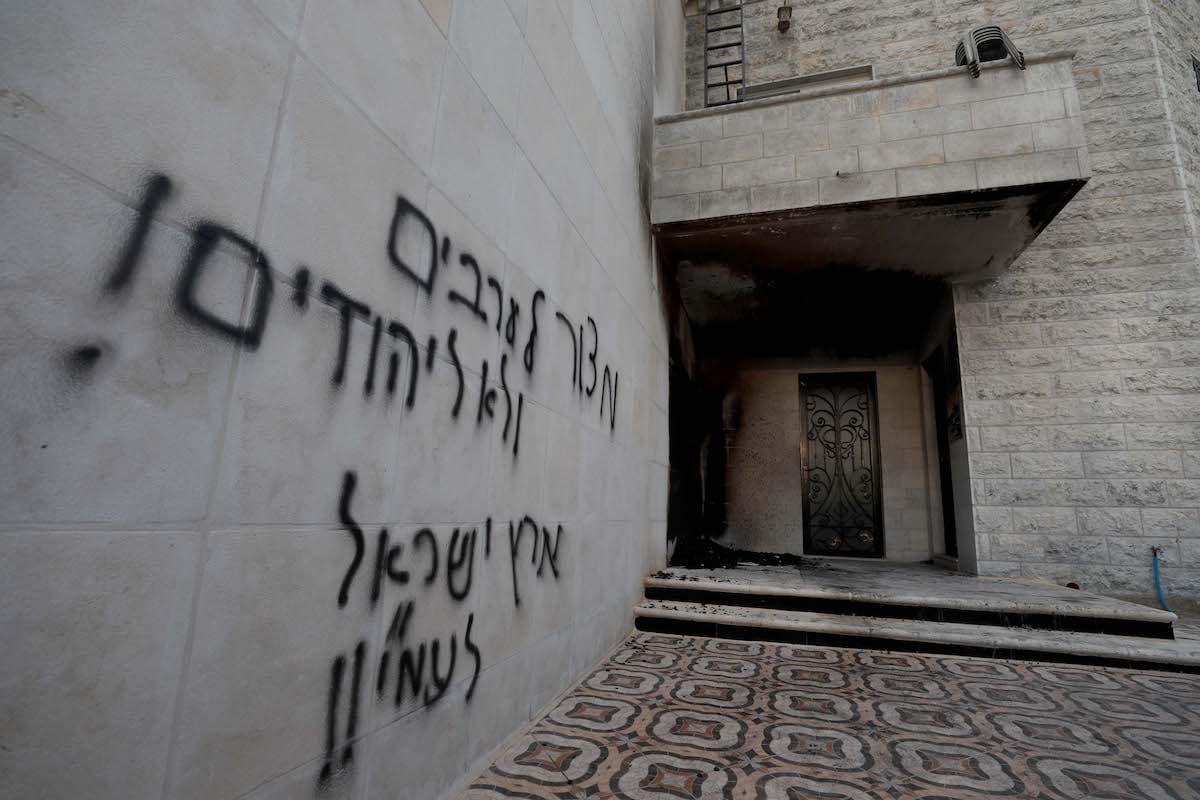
pixel 839 442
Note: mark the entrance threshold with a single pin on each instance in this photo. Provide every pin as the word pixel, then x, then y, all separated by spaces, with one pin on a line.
pixel 918 593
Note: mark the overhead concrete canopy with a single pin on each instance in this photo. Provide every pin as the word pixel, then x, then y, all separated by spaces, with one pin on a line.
pixel 932 176
pixel 973 234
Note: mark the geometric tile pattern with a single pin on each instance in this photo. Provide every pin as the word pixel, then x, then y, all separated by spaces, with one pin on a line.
pixel 687 718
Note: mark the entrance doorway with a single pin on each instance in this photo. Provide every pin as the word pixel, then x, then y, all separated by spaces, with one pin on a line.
pixel 840 464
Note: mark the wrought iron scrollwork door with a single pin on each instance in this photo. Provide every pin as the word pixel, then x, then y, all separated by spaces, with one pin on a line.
pixel 839 443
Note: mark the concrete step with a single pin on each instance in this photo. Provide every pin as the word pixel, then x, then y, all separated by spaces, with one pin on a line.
pixel 1181 654
pixel 910 592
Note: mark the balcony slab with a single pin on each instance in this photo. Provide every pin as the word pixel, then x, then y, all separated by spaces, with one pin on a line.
pixel 935 173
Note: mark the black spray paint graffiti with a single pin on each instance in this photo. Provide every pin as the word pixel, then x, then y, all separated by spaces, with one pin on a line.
pixel 586 389
pixel 423 670
pixel 408 667
pixel 389 338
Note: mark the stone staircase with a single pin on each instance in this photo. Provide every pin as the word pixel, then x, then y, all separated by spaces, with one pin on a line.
pixel 915 608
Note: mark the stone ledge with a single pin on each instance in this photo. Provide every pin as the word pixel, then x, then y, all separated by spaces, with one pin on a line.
pixel 1181 653
pixel 934 133
pixel 847 88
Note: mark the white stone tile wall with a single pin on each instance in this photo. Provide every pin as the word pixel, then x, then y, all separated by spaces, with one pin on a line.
pixel 174 532
pixel 941 133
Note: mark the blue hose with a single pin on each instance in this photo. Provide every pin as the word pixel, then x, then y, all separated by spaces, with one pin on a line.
pixel 1162 600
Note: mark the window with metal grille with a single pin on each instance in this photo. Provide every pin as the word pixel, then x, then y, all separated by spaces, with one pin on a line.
pixel 723 55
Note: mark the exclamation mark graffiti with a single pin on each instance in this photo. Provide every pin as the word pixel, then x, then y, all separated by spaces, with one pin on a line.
pixel 360 653
pixel 335 692
pixel 336 679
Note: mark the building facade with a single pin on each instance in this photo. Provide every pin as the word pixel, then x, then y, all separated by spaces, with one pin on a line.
pixel 358 361
pixel 1080 402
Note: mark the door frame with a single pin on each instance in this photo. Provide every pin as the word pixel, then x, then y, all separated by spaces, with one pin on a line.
pixel 935 368
pixel 870 379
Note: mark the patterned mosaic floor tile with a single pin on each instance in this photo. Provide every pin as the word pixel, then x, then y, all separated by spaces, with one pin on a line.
pixel 685 718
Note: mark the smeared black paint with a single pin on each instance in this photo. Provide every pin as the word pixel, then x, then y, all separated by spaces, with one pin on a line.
pixel 474 651
pixel 440 682
pixel 510 328
pixel 426 535
pixel 592 355
pixel 538 297
pixel 155 192
pixel 399 659
pixel 450 346
pixel 561 317
pixel 301 280
pixel 507 395
pixel 335 693
pixel 206 236
pixel 376 331
pixel 515 532
pixel 399 331
pixel 349 481
pixel 609 388
pixel 579 355
pixel 430 353
pixel 408 667
pixel 549 554
pixel 517 436
pixel 405 210
pixel 347 308
pixel 494 285
pixel 472 303
pixel 355 687
pixel 454 563
pixel 81 360
pixel 381 549
pixel 487 397
pixel 395 634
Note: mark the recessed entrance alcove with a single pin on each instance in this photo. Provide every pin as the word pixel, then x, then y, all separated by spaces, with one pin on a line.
pixel 812 241
pixel 824 389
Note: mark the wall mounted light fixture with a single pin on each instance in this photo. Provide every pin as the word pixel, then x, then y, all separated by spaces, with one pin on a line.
pixel 784 13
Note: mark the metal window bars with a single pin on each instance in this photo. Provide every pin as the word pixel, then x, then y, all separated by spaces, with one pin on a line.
pixel 724 52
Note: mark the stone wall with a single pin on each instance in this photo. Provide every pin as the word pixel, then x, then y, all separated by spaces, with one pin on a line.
pixel 1177 44
pixel 934 134
pixel 334 385
pixel 765 481
pixel 1082 391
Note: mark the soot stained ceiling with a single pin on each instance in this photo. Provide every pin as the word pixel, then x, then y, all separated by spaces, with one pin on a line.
pixel 845 312
pixel 858 280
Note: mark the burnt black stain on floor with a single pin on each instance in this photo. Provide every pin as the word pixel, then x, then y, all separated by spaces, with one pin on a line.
pixel 703 553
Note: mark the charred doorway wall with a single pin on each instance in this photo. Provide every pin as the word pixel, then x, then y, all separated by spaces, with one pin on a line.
pixel 743 340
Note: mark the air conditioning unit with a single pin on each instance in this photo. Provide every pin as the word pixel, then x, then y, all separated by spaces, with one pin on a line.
pixel 989 43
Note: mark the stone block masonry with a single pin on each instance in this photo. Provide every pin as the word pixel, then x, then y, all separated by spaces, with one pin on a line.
pixel 1080 362
pixel 924 134
pixel 1082 411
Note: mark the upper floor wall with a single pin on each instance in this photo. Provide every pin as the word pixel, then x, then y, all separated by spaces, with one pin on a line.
pixel 904 37
pixel 1080 360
